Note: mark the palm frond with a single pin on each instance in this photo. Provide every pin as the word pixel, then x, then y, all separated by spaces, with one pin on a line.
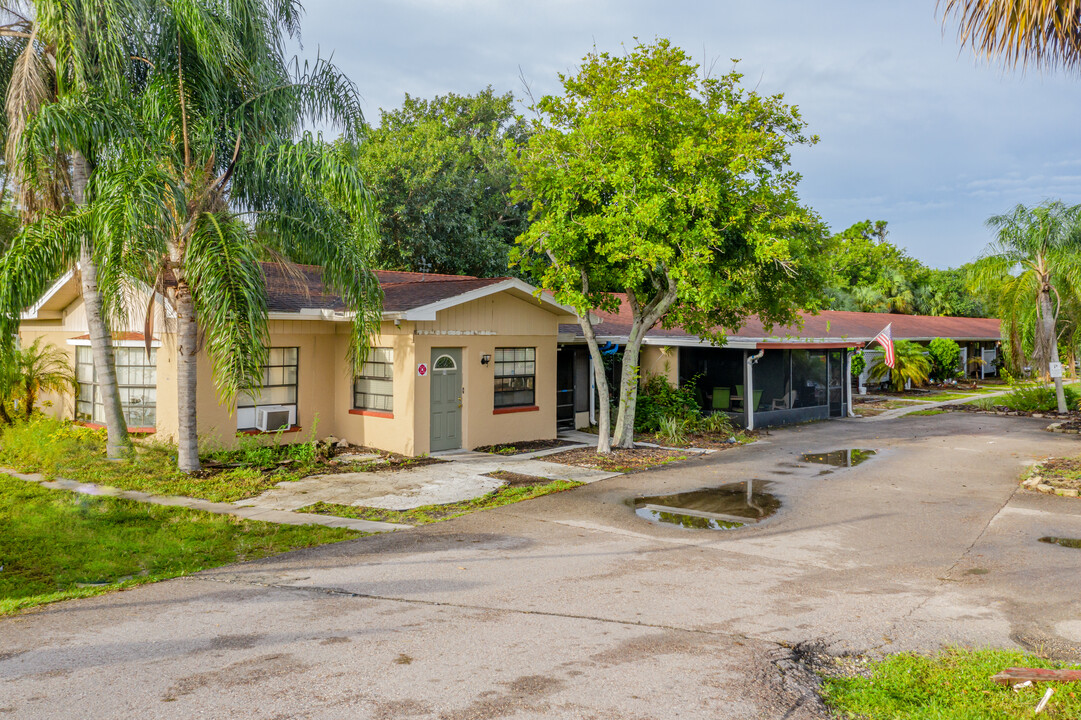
pixel 229 291
pixel 1044 33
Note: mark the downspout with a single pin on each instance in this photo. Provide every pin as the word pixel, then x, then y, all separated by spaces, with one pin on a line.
pixel 748 390
pixel 848 381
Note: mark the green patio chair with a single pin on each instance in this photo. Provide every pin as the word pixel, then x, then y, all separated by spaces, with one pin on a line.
pixel 757 399
pixel 722 398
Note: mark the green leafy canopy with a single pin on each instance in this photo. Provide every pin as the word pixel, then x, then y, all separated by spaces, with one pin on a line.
pixel 646 171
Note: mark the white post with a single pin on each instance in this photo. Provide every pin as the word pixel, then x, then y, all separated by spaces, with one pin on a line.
pixel 848 381
pixel 748 392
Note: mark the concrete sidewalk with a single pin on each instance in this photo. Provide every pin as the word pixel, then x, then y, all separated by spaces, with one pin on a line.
pixel 264 514
pixel 463 476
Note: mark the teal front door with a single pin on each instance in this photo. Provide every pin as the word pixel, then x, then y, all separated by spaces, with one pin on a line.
pixel 446 385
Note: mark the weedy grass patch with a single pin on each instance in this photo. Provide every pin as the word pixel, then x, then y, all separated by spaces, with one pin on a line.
pixel 952 685
pixel 57 544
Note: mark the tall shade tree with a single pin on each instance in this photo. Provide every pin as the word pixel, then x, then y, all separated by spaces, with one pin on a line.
pixel 672 187
pixel 56 52
pixel 1044 33
pixel 1034 262
pixel 441 174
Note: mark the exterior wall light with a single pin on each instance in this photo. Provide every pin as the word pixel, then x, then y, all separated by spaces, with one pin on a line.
pixel 485 359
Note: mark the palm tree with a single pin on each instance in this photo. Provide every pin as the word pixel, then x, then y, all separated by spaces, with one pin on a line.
pixel 1034 262
pixel 41 368
pixel 217 175
pixel 1046 33
pixel 57 52
pixel 207 171
pixel 910 365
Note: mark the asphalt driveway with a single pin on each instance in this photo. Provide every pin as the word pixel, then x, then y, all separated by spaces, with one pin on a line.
pixel 570 606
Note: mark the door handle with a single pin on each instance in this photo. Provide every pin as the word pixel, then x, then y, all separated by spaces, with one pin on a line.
pixel 459 401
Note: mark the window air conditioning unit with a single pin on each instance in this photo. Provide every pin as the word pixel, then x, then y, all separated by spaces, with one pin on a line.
pixel 272 417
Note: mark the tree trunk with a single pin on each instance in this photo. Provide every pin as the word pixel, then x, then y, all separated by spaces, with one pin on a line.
pixel 187 339
pixel 117 442
pixel 1049 341
pixel 644 317
pixel 30 398
pixel 628 387
pixel 604 412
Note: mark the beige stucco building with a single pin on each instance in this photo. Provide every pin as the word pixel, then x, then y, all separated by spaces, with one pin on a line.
pixel 458 362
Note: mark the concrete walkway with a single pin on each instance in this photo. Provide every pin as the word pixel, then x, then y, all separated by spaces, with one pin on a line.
pixel 463 476
pixel 248 513
pixel 930 405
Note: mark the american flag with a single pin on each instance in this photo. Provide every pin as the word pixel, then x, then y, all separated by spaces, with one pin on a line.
pixel 885 338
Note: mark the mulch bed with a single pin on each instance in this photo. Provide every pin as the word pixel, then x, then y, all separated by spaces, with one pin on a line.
pixel 1070 416
pixel 694 440
pixel 330 464
pixel 620 460
pixel 524 446
pixel 1056 476
pixel 513 479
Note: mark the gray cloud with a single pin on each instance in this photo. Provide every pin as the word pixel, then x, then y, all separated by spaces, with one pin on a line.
pixel 913 129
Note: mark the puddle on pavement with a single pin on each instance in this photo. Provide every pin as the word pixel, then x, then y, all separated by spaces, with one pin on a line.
pixel 1064 542
pixel 725 507
pixel 839 458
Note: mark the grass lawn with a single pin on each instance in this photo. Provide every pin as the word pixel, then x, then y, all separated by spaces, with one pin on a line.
pixel 57 448
pixel 57 545
pixel 425 514
pixel 954 685
pixel 939 397
pixel 931 411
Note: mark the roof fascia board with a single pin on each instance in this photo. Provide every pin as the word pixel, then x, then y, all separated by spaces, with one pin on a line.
pixel 427 312
pixel 118 343
pixel 32 312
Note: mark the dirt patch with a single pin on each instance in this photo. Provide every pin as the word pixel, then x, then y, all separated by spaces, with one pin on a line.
pixel 513 479
pixel 523 446
pixel 620 460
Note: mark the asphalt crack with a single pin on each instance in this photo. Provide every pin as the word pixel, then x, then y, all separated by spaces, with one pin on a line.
pixel 340 592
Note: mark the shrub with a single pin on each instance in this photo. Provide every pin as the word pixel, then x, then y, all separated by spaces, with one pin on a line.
pixel 1037 397
pixel 46 443
pixel 911 366
pixel 658 399
pixel 943 354
pixel 716 424
pixel 673 430
pixel 858 362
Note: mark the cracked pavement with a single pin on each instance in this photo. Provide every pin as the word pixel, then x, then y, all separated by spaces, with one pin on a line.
pixel 572 607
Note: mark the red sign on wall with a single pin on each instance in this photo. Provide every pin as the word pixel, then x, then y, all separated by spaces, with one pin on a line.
pixel 422 369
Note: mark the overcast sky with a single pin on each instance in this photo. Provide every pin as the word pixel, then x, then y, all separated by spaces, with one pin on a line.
pixel 914 130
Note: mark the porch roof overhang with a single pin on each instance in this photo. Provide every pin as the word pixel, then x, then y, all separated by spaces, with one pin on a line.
pixel 733 343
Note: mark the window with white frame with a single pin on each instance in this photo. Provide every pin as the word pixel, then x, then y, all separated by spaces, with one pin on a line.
pixel 278 391
pixel 373 389
pixel 137 378
pixel 515 374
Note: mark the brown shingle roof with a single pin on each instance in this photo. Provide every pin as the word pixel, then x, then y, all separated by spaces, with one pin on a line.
pixel 829 324
pixel 299 287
